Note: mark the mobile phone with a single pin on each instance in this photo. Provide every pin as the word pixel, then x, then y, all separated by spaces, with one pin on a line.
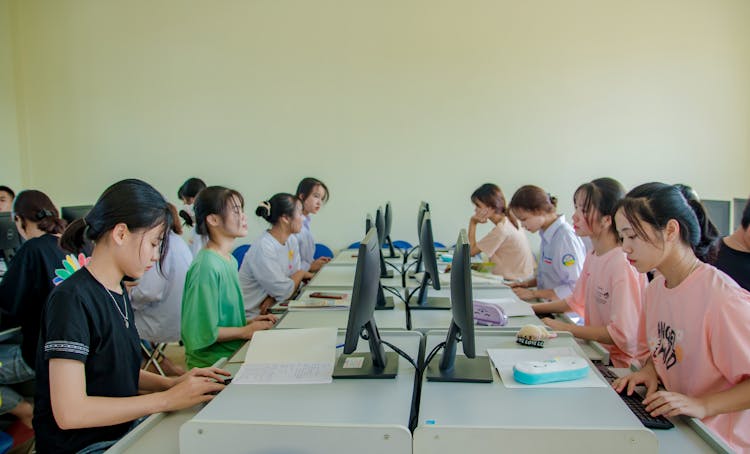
pixel 330 296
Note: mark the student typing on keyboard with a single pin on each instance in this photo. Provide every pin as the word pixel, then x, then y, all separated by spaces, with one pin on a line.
pixel 695 317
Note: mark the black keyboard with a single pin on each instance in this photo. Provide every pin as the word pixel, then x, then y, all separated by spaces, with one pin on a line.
pixel 635 403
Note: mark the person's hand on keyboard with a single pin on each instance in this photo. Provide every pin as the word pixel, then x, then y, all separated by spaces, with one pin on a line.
pixel 665 403
pixel 646 377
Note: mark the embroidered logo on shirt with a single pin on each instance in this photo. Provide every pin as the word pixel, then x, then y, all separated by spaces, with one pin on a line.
pixel 547 260
pixel 665 346
pixel 291 257
pixel 568 260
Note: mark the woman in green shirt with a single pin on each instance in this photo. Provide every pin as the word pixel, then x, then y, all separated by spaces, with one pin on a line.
pixel 213 314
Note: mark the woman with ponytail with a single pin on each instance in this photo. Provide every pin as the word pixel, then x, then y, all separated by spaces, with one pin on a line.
pixel 24 290
pixel 694 318
pixel 272 270
pixel 89 385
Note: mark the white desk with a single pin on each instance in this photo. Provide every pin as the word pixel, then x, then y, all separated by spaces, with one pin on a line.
pixel 489 418
pixel 348 257
pixel 366 416
pixel 314 318
pixel 342 277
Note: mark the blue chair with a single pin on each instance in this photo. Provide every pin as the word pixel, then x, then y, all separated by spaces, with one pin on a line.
pixel 321 250
pixel 6 442
pixel 439 245
pixel 354 245
pixel 239 253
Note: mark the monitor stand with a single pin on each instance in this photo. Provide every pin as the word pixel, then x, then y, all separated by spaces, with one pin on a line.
pixel 432 303
pixel 465 370
pixel 359 365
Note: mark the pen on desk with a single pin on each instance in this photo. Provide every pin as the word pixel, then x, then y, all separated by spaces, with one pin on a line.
pixel 340 346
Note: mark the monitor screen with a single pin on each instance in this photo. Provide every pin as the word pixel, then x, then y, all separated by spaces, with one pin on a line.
pixel 467 367
pixel 718 211
pixel 70 214
pixel 10 240
pixel 380 227
pixel 431 275
pixel 376 363
pixel 738 208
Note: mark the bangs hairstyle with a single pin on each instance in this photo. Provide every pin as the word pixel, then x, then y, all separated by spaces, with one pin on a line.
pixel 306 186
pixel 533 199
pixel 213 200
pixel 600 197
pixel 492 196
pixel 34 206
pixel 132 202
pixel 655 204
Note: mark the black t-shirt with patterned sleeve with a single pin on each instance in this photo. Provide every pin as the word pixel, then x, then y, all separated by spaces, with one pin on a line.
pixel 80 322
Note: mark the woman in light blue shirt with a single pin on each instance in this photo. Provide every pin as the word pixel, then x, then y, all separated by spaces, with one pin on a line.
pixel 271 270
pixel 562 252
pixel 313 193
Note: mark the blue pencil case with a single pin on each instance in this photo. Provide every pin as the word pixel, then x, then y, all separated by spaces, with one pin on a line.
pixel 564 368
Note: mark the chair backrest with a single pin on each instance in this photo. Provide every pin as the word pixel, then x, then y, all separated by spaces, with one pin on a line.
pixel 401 244
pixel 354 245
pixel 239 253
pixel 321 250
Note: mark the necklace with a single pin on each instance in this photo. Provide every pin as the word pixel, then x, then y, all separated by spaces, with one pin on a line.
pixel 124 315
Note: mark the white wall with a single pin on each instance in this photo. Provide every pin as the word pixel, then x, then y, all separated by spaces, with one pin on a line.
pixel 10 151
pixel 437 96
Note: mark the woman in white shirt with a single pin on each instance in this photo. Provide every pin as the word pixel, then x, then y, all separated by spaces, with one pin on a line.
pixel 271 270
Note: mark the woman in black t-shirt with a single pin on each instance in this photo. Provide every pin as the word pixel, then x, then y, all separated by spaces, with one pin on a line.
pixel 734 252
pixel 24 290
pixel 88 362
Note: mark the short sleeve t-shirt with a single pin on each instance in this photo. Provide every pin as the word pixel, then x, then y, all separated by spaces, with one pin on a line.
pixel 608 293
pixel 509 250
pixel 212 299
pixel 80 322
pixel 695 337
pixel 735 263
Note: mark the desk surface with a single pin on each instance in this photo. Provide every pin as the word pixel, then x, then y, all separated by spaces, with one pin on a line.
pixel 315 318
pixel 342 277
pixel 348 257
pixel 371 415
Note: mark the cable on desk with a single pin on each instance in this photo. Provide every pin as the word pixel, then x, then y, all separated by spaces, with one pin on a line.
pixel 429 357
pixel 402 354
pixel 394 291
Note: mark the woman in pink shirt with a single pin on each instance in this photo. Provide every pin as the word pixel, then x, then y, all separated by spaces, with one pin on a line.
pixel 695 318
pixel 506 245
pixel 608 293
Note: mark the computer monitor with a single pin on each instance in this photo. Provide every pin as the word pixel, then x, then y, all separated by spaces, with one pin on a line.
pixel 467 367
pixel 424 207
pixel 388 215
pixel 431 275
pixel 377 363
pixel 383 302
pixel 738 208
pixel 10 240
pixel 380 226
pixel 718 211
pixel 70 214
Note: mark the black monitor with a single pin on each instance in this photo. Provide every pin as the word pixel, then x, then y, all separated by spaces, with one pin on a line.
pixel 388 222
pixel 431 275
pixel 738 208
pixel 70 214
pixel 380 226
pixel 467 367
pixel 718 211
pixel 10 240
pixel 424 207
pixel 377 363
pixel 383 302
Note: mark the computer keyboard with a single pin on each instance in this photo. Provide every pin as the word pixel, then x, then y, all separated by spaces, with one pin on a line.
pixel 635 403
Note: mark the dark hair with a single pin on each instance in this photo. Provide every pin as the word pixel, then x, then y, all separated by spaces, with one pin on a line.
pixel 35 206
pixel 602 195
pixel 213 200
pixel 709 244
pixel 190 188
pixel 656 204
pixel 492 196
pixel 132 202
pixel 534 199
pixel 281 204
pixel 746 215
pixel 306 186
pixel 13 194
pixel 176 227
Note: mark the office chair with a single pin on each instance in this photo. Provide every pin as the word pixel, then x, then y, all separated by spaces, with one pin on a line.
pixel 239 253
pixel 321 250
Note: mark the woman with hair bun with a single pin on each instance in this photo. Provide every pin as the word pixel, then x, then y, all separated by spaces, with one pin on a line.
pixel 271 270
